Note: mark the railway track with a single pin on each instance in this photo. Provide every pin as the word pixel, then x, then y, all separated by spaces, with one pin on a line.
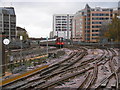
pixel 114 74
pixel 44 72
pixel 113 70
pixel 92 80
pixel 66 70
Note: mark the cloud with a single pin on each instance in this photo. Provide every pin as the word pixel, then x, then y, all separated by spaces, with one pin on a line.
pixel 59 0
pixel 37 17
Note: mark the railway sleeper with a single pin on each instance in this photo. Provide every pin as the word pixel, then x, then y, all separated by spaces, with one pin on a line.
pixel 85 80
pixel 104 84
pixel 38 83
pixel 49 70
pixel 25 86
pixel 17 85
pixel 69 65
pixel 113 85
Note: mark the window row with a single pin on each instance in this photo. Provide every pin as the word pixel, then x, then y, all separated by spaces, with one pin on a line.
pixel 94 38
pixel 96 26
pixel 63 16
pixel 63 24
pixel 99 14
pixel 100 18
pixel 63 29
pixel 95 30
pixel 95 34
pixel 96 22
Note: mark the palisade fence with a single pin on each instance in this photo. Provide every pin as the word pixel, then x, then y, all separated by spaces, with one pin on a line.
pixel 106 44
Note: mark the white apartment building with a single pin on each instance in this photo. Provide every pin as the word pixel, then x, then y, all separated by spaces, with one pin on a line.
pixel 62 25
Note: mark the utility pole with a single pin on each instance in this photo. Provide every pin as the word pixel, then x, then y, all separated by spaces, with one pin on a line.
pixel 21 38
pixel 68 27
pixel 2 54
pixel 47 46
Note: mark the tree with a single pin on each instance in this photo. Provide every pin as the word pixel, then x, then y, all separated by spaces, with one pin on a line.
pixel 104 35
pixel 113 30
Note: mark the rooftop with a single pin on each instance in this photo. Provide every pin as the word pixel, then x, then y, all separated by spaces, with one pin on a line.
pixel 7 10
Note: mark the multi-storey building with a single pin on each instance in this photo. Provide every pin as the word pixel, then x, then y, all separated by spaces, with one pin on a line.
pixel 119 7
pixel 62 25
pixel 87 23
pixel 51 34
pixel 8 22
pixel 116 12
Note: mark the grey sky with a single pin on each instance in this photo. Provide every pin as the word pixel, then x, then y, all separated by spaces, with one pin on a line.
pixel 36 16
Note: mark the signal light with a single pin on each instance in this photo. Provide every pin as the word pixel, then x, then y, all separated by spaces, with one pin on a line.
pixel 58 43
pixel 62 43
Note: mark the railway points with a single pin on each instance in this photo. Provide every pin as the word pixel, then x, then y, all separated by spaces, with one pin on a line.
pixel 100 64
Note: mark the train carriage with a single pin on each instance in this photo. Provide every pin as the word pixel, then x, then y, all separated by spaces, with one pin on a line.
pixel 60 42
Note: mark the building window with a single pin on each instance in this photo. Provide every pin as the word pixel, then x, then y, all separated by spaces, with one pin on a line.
pixel 64 16
pixel 96 22
pixel 80 26
pixel 96 26
pixel 58 16
pixel 87 26
pixel 93 38
pixel 95 30
pixel 95 34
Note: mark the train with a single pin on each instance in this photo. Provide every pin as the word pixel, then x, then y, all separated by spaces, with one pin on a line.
pixel 58 42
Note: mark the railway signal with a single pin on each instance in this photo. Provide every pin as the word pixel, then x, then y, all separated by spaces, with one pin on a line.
pixel 6 41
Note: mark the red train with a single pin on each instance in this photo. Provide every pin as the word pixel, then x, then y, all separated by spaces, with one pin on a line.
pixel 59 42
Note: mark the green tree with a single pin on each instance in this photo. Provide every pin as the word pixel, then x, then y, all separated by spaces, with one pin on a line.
pixel 113 31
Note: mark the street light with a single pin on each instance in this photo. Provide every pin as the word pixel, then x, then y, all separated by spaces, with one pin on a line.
pixel 47 46
pixel 111 42
pixel 6 42
pixel 21 38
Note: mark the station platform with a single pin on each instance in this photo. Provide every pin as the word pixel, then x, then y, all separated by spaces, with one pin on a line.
pixel 6 74
pixel 15 78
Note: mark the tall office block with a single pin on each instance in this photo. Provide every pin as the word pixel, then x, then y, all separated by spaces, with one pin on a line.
pixel 8 22
pixel 62 25
pixel 88 21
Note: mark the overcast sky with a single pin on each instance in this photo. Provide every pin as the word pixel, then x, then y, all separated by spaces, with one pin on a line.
pixel 36 16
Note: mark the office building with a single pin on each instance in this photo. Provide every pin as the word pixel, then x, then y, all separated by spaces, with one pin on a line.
pixel 88 21
pixel 51 35
pixel 62 25
pixel 8 22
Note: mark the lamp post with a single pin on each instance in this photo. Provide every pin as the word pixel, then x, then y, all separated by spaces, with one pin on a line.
pixel 5 42
pixel 21 38
pixel 111 42
pixel 47 46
